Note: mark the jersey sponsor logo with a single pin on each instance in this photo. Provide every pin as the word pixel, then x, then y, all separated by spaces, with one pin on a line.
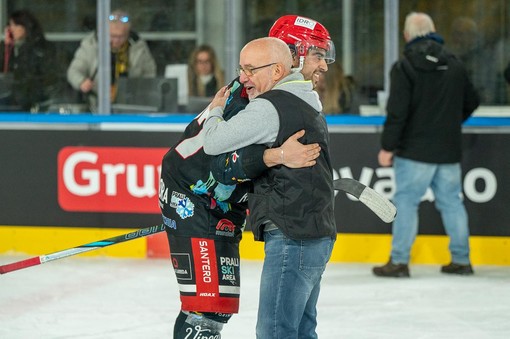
pixel 182 204
pixel 225 228
pixel 206 268
pixel 228 274
pixel 182 266
pixel 176 197
pixel 205 261
pixel 227 266
pixel 109 179
pixel 229 261
pixel 304 22
pixel 207 294
pixel 170 223
pixel 163 193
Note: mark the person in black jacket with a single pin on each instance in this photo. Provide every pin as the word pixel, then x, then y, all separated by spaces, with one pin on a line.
pixel 29 59
pixel 430 97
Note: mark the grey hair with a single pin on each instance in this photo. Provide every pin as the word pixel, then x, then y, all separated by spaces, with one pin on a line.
pixel 418 25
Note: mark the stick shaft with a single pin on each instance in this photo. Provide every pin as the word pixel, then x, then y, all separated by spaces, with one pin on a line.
pixel 349 185
pixel 34 261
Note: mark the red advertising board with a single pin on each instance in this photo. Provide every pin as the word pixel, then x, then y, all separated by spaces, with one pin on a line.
pixel 109 179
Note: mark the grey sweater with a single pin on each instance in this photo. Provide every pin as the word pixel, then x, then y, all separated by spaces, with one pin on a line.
pixel 85 62
pixel 258 123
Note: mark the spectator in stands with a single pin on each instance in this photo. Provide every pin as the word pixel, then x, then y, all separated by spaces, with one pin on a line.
pixel 468 44
pixel 29 65
pixel 205 76
pixel 130 57
pixel 506 73
pixel 337 91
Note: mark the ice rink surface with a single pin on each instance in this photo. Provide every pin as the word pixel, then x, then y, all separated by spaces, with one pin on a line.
pixel 95 297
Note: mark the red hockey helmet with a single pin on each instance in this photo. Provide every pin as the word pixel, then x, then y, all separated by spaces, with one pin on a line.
pixel 303 33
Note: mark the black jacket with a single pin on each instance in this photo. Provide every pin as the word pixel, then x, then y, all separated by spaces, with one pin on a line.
pixel 430 97
pixel 35 72
pixel 299 201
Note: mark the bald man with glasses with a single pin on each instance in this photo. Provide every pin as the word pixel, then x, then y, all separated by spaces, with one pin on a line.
pixel 291 210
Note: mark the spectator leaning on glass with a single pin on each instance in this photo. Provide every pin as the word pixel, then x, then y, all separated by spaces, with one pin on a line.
pixel 205 76
pixel 29 61
pixel 130 57
pixel 336 91
pixel 291 210
pixel 430 97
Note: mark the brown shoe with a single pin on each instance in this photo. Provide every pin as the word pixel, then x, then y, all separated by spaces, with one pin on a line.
pixel 454 268
pixel 392 270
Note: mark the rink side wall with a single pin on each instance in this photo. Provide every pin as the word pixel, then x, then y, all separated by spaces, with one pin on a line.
pixel 349 248
pixel 71 180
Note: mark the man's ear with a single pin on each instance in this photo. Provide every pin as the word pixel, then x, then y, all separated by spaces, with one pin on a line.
pixel 278 72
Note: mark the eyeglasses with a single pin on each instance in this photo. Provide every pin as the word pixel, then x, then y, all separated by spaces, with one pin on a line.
pixel 251 71
pixel 121 18
pixel 203 61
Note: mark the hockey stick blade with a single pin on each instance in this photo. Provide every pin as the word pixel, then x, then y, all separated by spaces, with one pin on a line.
pixel 378 204
pixel 34 261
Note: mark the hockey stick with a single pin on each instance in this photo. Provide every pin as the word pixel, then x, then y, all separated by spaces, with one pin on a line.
pixel 381 206
pixel 80 249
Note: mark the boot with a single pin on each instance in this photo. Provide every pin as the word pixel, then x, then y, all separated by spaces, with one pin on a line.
pixel 392 270
pixel 454 268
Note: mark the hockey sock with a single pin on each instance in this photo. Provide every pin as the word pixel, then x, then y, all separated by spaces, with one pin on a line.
pixel 196 325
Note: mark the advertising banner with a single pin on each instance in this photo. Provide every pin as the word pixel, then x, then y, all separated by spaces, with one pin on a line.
pixel 93 178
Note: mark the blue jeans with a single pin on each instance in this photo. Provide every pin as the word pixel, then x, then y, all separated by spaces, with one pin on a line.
pixel 412 179
pixel 290 285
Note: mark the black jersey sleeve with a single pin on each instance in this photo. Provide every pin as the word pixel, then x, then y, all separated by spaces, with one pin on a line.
pixel 239 166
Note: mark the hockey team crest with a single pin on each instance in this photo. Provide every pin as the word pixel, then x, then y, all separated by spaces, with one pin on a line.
pixel 182 204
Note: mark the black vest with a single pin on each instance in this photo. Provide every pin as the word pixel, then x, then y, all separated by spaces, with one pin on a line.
pixel 298 201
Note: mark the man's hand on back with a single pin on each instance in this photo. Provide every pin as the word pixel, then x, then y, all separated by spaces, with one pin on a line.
pixel 292 153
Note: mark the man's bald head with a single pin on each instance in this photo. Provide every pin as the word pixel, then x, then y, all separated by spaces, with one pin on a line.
pixel 263 62
pixel 269 50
